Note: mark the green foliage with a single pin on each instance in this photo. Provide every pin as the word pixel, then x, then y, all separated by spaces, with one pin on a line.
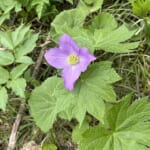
pixel 115 40
pixel 140 8
pixel 102 34
pixel 40 6
pixel 18 86
pixel 126 127
pixel 104 21
pixel 16 45
pixel 18 71
pixel 78 131
pixel 4 75
pixel 97 84
pixel 21 41
pixel 51 99
pixel 123 124
pixel 6 58
pixel 5 8
pixel 90 6
pixel 47 101
pixel 68 19
pixel 3 98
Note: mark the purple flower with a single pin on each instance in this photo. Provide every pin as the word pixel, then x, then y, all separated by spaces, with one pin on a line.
pixel 69 57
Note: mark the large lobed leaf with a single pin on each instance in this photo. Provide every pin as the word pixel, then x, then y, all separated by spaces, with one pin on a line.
pixel 47 101
pixel 102 34
pixel 96 82
pixel 51 99
pixel 127 128
pixel 115 40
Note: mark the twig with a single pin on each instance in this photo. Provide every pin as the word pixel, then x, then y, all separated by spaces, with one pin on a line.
pixel 13 136
pixel 40 58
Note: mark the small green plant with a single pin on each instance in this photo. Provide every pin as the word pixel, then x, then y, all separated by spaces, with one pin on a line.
pixel 14 61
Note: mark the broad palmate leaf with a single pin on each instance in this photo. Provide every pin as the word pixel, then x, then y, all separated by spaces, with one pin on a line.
pixel 102 34
pixel 127 128
pixel 66 19
pixel 91 91
pixel 52 99
pixel 47 101
pixel 115 40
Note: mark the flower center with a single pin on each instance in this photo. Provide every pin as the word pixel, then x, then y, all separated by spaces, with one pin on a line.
pixel 73 59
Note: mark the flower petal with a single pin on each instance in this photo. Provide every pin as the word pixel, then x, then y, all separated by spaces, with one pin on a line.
pixel 56 58
pixel 85 58
pixel 67 44
pixel 70 74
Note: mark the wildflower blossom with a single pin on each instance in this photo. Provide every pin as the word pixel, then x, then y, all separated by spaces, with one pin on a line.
pixel 70 58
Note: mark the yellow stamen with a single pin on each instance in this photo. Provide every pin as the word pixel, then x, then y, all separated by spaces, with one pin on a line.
pixel 73 59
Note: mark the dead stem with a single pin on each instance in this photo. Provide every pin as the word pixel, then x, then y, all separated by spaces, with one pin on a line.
pixel 13 136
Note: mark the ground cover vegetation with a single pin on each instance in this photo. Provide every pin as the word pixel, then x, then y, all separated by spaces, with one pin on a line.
pixel 74 74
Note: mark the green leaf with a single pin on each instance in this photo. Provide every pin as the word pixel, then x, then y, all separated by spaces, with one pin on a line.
pixel 21 41
pixel 68 19
pixel 18 71
pixel 104 21
pixel 78 131
pixel 9 4
pixel 25 60
pixel 102 34
pixel 4 16
pixel 140 8
pixel 4 75
pixel 47 101
pixel 84 39
pixel 115 40
pixel 19 34
pixel 128 128
pixel 6 39
pixel 96 81
pixel 71 22
pixel 90 5
pixel 40 6
pixel 6 6
pixel 18 86
pixel 3 98
pixel 6 58
pixel 27 46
